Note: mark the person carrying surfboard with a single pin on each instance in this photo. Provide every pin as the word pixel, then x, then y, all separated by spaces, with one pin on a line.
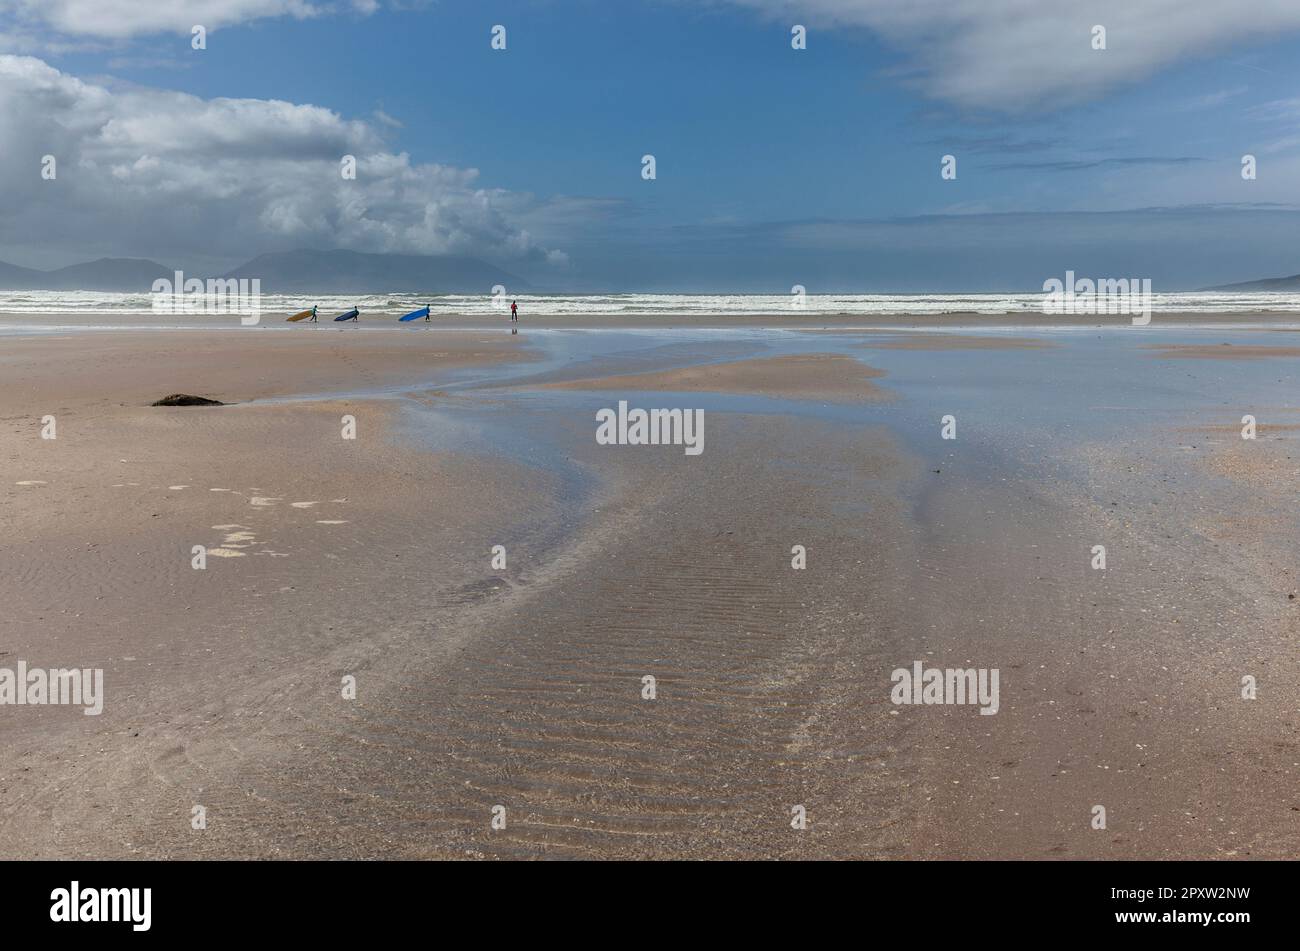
pixel 313 314
pixel 427 312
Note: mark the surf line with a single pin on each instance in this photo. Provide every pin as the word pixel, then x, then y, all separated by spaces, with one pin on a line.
pixel 654 427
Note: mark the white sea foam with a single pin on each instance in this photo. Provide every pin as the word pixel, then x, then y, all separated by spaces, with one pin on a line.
pixel 105 304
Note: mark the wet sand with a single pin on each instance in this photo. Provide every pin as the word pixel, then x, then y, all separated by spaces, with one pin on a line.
pixel 793 319
pixel 523 687
pixel 232 365
pixel 813 376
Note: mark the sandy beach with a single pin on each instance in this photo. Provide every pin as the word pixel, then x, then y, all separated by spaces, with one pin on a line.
pixel 504 711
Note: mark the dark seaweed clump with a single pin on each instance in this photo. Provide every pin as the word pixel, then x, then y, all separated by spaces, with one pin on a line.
pixel 184 399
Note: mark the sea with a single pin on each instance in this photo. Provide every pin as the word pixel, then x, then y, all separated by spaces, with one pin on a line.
pixel 107 304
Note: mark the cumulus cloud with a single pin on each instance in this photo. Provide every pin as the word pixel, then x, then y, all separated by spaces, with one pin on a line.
pixel 1018 55
pixel 117 19
pixel 147 171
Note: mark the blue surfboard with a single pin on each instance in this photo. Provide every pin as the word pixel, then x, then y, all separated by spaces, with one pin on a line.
pixel 415 314
pixel 348 316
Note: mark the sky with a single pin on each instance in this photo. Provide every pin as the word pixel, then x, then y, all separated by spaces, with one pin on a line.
pixel 774 166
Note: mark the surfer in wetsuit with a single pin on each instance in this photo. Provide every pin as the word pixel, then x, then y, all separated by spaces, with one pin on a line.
pixel 427 311
pixel 356 312
pixel 313 314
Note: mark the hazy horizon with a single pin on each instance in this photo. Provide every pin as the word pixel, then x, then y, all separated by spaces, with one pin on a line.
pixel 108 264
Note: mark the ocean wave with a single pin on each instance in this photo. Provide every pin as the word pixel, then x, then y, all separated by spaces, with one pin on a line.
pixel 37 303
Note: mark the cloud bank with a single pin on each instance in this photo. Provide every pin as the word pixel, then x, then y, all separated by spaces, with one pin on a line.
pixel 157 171
pixel 119 19
pixel 1022 55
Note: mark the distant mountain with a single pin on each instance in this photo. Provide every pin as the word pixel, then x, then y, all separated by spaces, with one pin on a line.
pixel 18 278
pixel 106 274
pixel 1291 283
pixel 109 274
pixel 351 272
pixel 289 272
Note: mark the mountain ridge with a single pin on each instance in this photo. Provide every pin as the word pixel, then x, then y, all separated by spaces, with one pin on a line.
pixel 1291 283
pixel 284 272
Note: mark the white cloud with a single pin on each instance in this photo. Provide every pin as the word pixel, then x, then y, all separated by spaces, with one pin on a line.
pixel 1217 98
pixel 116 19
pixel 154 172
pixel 1016 55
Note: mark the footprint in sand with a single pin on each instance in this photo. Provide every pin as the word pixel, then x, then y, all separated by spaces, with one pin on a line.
pixel 226 553
pixel 263 501
pixel 218 490
pixel 331 521
pixel 303 505
pixel 32 482
pixel 176 488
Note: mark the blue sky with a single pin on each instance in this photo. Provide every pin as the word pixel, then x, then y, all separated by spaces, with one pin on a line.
pixel 775 166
